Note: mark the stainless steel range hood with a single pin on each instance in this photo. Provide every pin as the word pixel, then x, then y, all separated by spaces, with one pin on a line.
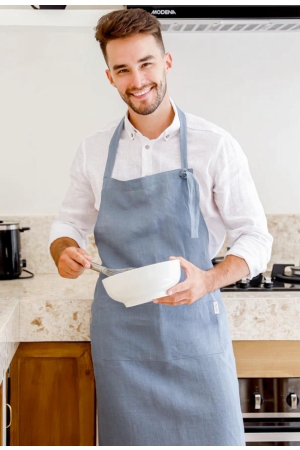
pixel 206 19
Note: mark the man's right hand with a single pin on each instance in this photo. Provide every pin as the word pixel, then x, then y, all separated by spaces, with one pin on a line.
pixel 71 261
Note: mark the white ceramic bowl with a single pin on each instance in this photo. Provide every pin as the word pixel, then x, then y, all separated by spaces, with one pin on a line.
pixel 144 284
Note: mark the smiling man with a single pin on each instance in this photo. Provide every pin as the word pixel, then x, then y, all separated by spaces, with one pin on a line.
pixel 161 184
pixel 141 82
pixel 153 92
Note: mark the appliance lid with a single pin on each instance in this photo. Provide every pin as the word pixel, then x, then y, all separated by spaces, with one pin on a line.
pixel 4 226
pixel 195 19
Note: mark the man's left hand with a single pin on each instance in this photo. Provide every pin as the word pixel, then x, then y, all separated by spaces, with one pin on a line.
pixel 194 287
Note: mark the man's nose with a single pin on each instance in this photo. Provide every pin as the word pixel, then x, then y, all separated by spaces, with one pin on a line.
pixel 137 79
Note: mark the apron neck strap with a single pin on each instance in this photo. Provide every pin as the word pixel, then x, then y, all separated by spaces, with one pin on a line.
pixel 183 135
pixel 113 148
pixel 114 143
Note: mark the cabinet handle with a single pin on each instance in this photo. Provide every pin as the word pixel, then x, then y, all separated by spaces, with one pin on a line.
pixel 10 415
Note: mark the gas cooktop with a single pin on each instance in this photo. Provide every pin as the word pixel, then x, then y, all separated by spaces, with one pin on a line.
pixel 278 281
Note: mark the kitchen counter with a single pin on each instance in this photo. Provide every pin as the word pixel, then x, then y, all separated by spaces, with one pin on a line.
pixel 50 308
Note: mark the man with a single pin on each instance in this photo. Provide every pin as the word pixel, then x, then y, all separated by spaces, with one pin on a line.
pixel 171 184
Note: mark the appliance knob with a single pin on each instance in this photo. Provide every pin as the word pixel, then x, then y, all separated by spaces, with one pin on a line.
pixel 23 262
pixel 258 400
pixel 292 400
pixel 268 283
pixel 243 283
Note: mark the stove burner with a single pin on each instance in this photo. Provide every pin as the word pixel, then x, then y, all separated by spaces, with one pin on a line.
pixel 288 279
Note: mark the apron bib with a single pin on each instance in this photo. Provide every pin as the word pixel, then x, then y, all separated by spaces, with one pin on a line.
pixel 164 375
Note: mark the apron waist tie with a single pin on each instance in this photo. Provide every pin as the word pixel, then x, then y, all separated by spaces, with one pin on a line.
pixel 194 201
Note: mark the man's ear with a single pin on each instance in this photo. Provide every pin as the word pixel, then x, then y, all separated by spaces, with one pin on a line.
pixel 168 62
pixel 110 79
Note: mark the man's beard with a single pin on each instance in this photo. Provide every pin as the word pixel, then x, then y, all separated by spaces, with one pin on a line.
pixel 144 110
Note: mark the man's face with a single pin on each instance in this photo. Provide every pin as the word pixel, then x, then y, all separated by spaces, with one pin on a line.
pixel 138 69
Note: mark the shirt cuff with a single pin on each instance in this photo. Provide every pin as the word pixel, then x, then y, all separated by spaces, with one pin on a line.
pixel 255 255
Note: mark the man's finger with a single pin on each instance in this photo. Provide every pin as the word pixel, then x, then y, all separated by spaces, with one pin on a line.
pixel 173 298
pixel 76 256
pixel 184 263
pixel 179 287
pixel 84 253
pixel 74 266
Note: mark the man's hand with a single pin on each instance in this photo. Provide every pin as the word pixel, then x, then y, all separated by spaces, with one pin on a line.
pixel 72 262
pixel 69 258
pixel 194 287
pixel 200 282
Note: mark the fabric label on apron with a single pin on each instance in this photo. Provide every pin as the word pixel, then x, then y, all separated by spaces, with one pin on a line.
pixel 216 308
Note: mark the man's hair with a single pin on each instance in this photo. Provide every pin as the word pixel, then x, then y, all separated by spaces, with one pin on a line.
pixel 126 23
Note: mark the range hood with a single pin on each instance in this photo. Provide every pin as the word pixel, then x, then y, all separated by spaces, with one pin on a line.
pixel 248 19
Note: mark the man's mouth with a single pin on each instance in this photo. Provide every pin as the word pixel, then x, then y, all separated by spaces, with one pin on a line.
pixel 142 93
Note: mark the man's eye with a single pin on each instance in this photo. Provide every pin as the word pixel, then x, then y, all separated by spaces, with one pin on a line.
pixel 122 71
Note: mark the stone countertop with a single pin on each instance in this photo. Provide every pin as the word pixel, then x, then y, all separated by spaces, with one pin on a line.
pixel 50 308
pixel 9 331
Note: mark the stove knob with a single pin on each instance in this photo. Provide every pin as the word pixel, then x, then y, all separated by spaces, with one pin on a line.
pixel 268 283
pixel 244 283
pixel 292 400
pixel 258 400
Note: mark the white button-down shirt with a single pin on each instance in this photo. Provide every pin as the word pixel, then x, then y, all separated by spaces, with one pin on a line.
pixel 228 198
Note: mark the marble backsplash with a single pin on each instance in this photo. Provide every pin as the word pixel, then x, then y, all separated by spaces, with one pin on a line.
pixel 285 229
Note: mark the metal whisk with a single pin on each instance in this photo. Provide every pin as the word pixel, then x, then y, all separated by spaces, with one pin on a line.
pixel 106 271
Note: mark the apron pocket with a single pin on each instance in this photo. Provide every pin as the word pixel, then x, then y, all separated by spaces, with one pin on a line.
pixel 153 332
pixel 194 330
pixel 129 333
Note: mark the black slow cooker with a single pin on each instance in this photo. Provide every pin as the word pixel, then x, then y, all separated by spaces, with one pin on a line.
pixel 11 262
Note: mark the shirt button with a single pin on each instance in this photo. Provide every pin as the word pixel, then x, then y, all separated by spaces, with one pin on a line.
pixel 147 147
pixel 167 136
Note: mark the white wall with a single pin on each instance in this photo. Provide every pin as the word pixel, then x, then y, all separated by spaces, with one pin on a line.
pixel 53 92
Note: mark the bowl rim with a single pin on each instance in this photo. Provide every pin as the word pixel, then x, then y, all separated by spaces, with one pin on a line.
pixel 113 277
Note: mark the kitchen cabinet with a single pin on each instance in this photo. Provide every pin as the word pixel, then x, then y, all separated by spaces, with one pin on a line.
pixel 4 410
pixel 267 359
pixel 53 394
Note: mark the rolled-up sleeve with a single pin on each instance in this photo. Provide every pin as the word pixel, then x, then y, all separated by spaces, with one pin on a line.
pixel 239 205
pixel 77 214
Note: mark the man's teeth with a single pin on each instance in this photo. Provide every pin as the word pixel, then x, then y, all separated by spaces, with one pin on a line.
pixel 138 94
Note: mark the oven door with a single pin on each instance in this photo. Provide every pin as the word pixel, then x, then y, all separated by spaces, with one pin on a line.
pixel 272 428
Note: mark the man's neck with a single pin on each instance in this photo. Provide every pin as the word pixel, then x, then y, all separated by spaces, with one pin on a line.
pixel 152 125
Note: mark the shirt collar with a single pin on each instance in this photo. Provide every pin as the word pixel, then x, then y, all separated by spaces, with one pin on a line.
pixel 172 130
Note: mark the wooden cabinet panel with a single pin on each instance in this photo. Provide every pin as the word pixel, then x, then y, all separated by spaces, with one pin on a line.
pixel 258 359
pixel 53 394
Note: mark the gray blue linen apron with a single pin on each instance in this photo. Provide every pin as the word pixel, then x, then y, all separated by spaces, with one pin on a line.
pixel 164 375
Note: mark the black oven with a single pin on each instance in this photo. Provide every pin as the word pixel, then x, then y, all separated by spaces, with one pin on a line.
pixel 271 410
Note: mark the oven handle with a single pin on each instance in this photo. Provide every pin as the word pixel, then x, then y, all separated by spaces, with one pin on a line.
pixel 277 419
pixel 272 429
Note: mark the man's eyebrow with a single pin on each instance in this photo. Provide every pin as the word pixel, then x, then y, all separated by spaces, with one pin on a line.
pixel 119 66
pixel 122 66
pixel 147 58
